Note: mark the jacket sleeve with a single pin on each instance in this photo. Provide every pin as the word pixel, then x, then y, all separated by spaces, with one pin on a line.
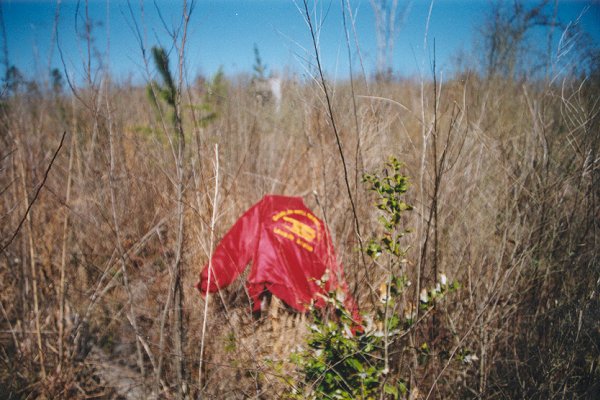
pixel 233 253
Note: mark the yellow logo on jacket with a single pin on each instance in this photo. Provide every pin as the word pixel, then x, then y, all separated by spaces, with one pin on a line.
pixel 296 230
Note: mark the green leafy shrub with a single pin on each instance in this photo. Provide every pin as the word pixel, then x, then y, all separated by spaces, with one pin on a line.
pixel 338 364
pixel 342 362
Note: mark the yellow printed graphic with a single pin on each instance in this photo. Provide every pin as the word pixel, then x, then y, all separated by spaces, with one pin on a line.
pixel 304 245
pixel 283 233
pixel 290 212
pixel 300 229
pixel 297 231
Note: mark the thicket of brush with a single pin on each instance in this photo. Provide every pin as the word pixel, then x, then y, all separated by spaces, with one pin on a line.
pixel 97 282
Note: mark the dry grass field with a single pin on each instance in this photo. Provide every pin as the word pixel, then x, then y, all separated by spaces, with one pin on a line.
pixel 104 233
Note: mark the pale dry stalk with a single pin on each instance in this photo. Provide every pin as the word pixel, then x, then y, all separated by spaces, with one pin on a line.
pixel 32 258
pixel 63 258
pixel 213 218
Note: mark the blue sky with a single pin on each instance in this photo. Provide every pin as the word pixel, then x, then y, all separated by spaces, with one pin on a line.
pixel 224 32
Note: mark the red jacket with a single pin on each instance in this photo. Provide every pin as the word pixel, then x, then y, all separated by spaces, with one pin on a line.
pixel 290 250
